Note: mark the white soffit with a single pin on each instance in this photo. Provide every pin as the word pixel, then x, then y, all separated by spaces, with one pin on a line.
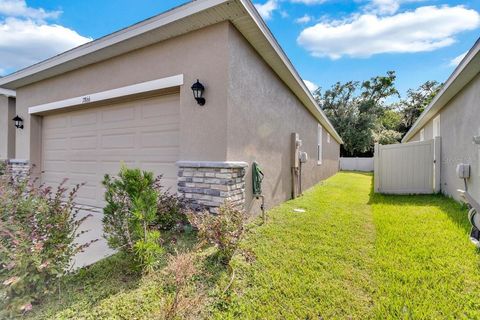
pixel 148 86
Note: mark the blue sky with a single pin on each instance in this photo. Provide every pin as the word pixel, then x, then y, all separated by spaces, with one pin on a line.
pixel 327 40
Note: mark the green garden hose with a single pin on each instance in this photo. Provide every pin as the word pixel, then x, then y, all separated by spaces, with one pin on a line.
pixel 257 179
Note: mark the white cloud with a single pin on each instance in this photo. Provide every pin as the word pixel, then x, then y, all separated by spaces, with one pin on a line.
pixel 456 61
pixel 308 2
pixel 384 6
pixel 424 29
pixel 19 8
pixel 310 85
pixel 266 9
pixel 27 38
pixel 305 19
pixel 284 14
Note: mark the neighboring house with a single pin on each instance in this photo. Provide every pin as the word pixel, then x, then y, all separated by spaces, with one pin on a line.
pixel 7 129
pixel 127 98
pixel 454 115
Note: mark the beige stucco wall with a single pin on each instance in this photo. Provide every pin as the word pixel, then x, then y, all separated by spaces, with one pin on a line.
pixel 200 54
pixel 7 128
pixel 262 114
pixel 428 132
pixel 249 112
pixel 459 122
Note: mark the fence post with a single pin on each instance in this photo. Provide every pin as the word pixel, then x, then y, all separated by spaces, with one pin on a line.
pixel 376 163
pixel 437 164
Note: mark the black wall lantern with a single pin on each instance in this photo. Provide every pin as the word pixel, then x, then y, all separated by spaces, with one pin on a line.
pixel 198 89
pixel 18 122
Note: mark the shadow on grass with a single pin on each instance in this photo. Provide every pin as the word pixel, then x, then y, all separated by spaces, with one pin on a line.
pixel 456 211
pixel 88 287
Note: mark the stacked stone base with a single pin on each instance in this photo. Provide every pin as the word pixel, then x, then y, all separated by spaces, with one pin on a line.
pixel 15 168
pixel 207 185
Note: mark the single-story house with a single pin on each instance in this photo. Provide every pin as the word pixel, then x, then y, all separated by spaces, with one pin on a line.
pixel 128 98
pixel 454 115
pixel 7 131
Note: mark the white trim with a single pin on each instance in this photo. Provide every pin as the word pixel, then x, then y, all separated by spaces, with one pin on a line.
pixel 436 127
pixel 319 144
pixel 153 85
pixel 8 93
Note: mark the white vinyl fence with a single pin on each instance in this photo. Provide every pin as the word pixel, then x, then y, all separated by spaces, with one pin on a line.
pixel 356 164
pixel 408 168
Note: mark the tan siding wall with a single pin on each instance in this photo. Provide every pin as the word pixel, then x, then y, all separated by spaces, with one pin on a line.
pixel 262 114
pixel 201 54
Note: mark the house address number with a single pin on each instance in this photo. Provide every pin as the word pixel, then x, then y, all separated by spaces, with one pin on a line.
pixel 86 99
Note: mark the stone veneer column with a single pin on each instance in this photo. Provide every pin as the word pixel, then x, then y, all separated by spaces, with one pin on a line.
pixel 16 168
pixel 209 184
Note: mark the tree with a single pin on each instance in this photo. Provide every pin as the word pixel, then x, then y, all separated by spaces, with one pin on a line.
pixel 355 110
pixel 416 101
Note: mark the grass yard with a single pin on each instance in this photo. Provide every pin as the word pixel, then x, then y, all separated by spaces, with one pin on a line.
pixel 356 255
pixel 350 255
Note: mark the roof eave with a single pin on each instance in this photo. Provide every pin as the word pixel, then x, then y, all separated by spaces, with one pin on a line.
pixel 8 93
pixel 101 49
pixel 466 70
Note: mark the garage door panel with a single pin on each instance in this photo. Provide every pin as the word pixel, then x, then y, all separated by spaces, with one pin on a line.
pixel 118 141
pixel 112 167
pixel 118 114
pixel 84 142
pixel 54 122
pixel 83 167
pixel 54 144
pixel 84 145
pixel 81 119
pixel 159 139
pixel 56 166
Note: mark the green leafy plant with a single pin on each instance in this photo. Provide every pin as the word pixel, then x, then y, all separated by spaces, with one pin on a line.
pixel 38 228
pixel 223 230
pixel 171 209
pixel 130 215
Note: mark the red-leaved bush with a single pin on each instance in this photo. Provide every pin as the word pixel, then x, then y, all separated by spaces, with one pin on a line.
pixel 222 230
pixel 38 227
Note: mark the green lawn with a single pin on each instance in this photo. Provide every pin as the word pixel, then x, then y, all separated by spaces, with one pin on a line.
pixel 350 255
pixel 353 254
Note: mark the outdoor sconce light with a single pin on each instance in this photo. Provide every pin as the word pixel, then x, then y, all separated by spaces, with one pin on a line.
pixel 198 89
pixel 18 122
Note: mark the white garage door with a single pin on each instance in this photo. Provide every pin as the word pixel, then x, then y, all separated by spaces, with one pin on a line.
pixel 83 145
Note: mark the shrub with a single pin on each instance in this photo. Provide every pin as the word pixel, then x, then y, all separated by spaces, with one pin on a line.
pixel 222 230
pixel 130 215
pixel 171 210
pixel 38 227
pixel 3 167
pixel 180 278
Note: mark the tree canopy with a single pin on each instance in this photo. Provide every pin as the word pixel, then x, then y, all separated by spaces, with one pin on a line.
pixel 372 111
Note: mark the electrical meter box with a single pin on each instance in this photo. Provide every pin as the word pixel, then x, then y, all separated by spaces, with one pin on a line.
pixel 303 157
pixel 463 170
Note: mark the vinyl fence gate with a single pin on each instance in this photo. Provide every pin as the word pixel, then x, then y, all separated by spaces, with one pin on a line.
pixel 408 168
